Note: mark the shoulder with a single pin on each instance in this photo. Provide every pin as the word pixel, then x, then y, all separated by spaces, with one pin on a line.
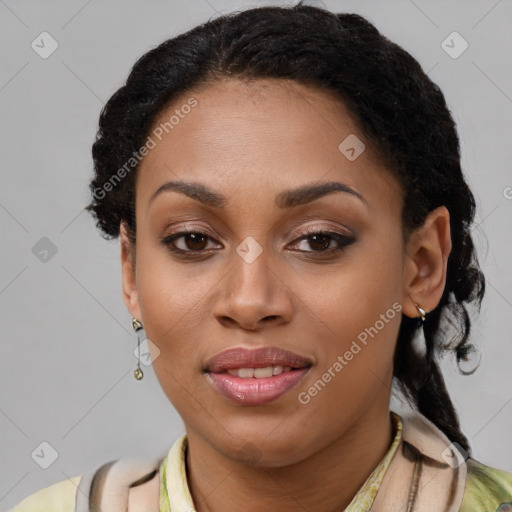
pixel 58 497
pixel 488 489
pixel 128 483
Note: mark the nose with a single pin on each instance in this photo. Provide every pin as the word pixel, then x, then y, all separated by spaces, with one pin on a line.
pixel 253 295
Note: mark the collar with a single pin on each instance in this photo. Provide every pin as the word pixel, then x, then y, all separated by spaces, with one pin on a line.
pixel 442 471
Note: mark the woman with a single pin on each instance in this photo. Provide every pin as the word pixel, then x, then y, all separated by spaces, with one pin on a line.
pixel 295 237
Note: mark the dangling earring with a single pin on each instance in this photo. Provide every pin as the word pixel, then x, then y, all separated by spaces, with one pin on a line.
pixel 137 327
pixel 418 341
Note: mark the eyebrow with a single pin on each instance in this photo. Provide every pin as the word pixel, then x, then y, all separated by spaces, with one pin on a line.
pixel 286 199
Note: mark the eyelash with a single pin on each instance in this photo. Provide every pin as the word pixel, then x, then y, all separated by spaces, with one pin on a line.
pixel 342 240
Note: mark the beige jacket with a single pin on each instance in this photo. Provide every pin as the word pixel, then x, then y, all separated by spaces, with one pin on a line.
pixel 442 472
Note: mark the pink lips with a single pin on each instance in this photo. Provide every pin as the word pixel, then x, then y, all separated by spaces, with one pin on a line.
pixel 251 390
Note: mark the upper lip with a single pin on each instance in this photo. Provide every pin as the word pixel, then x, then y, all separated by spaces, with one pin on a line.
pixel 234 358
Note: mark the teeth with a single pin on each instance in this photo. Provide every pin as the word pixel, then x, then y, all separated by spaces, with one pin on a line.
pixel 259 373
pixel 246 372
pixel 276 370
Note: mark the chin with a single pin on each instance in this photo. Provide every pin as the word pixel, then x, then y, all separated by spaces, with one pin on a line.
pixel 265 446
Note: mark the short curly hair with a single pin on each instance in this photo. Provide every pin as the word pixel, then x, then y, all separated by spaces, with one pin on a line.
pixel 400 110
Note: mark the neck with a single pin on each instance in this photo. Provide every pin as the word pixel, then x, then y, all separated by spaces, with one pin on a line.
pixel 328 480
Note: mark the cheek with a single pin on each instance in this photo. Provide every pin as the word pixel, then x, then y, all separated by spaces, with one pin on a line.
pixel 351 296
pixel 171 300
pixel 171 293
pixel 356 312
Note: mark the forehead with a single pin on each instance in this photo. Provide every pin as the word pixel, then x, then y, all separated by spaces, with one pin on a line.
pixel 273 134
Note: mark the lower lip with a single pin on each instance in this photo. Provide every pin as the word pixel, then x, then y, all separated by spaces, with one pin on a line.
pixel 252 391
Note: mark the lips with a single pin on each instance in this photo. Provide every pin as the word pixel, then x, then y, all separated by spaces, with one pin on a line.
pixel 257 376
pixel 237 358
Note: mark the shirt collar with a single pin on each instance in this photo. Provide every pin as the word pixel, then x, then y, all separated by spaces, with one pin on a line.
pixel 175 494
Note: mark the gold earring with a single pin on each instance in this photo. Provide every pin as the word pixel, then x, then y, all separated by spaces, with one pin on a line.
pixel 423 313
pixel 137 326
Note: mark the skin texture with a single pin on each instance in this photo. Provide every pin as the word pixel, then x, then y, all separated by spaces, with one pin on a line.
pixel 249 142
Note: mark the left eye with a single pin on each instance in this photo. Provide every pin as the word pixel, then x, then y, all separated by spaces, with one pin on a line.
pixel 322 241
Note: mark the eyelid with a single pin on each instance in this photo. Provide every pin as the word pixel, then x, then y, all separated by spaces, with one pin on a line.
pixel 325 227
pixel 188 227
pixel 314 224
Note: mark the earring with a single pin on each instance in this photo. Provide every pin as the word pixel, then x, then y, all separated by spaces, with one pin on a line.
pixel 137 327
pixel 423 313
pixel 418 342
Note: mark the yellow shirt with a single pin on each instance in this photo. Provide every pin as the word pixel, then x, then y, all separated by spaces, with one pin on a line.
pixel 487 489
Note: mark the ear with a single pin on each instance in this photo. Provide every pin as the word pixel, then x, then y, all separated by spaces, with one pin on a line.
pixel 130 294
pixel 426 260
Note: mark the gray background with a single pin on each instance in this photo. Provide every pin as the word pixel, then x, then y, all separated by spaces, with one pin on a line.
pixel 67 343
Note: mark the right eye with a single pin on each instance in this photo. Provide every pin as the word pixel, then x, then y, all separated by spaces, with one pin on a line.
pixel 187 242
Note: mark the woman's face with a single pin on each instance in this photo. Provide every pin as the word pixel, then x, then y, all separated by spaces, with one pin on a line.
pixel 252 163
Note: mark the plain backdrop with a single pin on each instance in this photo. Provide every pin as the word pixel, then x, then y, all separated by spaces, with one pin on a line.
pixel 67 345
